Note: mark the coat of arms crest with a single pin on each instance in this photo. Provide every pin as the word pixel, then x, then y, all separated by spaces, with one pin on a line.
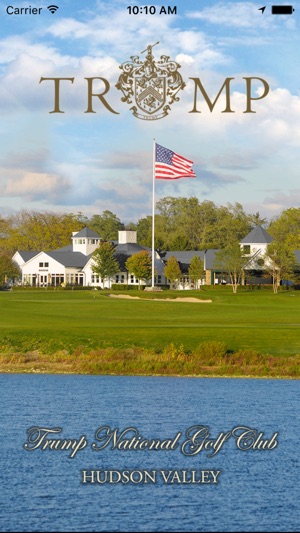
pixel 153 85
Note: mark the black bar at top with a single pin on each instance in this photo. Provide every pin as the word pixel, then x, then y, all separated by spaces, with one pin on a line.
pixel 282 10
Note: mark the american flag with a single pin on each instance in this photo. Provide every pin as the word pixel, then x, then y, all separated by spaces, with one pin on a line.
pixel 171 166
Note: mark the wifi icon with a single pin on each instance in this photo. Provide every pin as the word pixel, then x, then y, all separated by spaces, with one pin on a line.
pixel 52 9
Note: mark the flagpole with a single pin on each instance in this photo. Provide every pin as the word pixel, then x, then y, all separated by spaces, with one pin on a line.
pixel 153 210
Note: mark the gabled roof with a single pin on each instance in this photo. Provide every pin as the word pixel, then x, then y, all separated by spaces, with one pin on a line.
pixel 26 256
pixel 184 257
pixel 210 259
pixel 129 248
pixel 68 248
pixel 159 266
pixel 126 250
pixel 87 232
pixel 69 259
pixel 257 236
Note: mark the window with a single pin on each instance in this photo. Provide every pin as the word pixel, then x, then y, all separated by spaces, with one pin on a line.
pixel 246 249
pixel 57 280
pixel 43 265
pixel 70 279
pixel 79 279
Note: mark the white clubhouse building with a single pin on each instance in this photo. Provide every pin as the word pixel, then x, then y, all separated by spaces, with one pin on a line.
pixel 72 265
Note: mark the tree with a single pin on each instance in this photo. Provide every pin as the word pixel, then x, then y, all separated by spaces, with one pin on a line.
pixel 140 265
pixel 280 263
pixel 231 261
pixel 285 229
pixel 144 231
pixel 186 224
pixel 172 270
pixel 106 225
pixel 196 270
pixel 33 230
pixel 8 269
pixel 178 223
pixel 232 225
pixel 104 262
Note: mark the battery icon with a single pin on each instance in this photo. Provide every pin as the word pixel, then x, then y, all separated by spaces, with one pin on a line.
pixel 282 10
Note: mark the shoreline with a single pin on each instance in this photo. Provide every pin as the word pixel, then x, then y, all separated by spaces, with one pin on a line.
pixel 188 376
pixel 208 359
pixel 55 369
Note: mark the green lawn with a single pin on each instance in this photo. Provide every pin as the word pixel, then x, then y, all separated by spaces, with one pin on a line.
pixel 52 320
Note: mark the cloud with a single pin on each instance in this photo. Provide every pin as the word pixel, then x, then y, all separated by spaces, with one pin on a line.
pixel 140 160
pixel 244 159
pixel 283 200
pixel 26 159
pixel 271 206
pixel 214 179
pixel 14 46
pixel 106 31
pixel 21 89
pixel 35 186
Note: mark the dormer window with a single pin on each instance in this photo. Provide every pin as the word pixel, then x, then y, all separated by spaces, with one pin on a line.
pixel 246 249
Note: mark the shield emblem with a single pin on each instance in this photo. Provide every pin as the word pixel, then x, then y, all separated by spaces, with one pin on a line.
pixel 150 93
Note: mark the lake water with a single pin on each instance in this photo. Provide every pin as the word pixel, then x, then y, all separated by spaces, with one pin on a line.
pixel 254 489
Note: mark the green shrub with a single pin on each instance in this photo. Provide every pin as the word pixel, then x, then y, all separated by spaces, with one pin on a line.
pixel 211 350
pixel 125 287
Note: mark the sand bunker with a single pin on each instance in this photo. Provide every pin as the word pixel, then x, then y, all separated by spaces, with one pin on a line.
pixel 189 300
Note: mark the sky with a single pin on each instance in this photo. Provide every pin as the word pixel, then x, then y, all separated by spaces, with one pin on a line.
pixel 89 162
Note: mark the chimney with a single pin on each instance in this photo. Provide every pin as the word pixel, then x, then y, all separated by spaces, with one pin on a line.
pixel 127 237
